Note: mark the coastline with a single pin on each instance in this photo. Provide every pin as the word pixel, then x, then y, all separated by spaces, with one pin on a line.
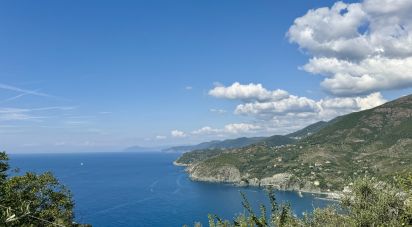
pixel 332 195
pixel 180 164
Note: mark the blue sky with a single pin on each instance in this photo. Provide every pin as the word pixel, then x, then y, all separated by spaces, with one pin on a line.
pixel 104 75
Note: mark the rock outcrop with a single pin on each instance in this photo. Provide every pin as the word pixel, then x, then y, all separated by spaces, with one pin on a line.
pixel 223 174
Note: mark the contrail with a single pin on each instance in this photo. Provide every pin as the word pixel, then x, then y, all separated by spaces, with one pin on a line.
pixel 23 91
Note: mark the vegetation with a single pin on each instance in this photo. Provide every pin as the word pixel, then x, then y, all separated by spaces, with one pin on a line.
pixel 309 130
pixel 277 140
pixel 218 144
pixel 33 199
pixel 376 142
pixel 368 203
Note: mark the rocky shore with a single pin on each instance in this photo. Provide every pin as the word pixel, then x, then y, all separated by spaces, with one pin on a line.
pixel 230 174
pixel 180 164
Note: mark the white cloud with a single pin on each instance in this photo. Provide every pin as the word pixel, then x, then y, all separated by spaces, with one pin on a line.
pixel 375 73
pixel 323 109
pixel 287 105
pixel 161 137
pixel 352 103
pixel 360 47
pixel 206 130
pixel 189 88
pixel 235 128
pixel 285 115
pixel 219 111
pixel 228 130
pixel 246 92
pixel 178 134
pixel 241 128
pixel 291 112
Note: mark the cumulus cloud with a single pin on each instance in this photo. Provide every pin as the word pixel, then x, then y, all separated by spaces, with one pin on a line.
pixel 322 109
pixel 286 105
pixel 246 92
pixel 281 115
pixel 206 130
pixel 292 111
pixel 375 73
pixel 238 128
pixel 235 128
pixel 360 48
pixel 178 134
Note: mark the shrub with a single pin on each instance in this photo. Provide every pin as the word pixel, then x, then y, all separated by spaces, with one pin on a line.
pixel 369 203
pixel 33 199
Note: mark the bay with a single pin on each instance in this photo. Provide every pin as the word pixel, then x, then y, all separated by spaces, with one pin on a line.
pixel 146 189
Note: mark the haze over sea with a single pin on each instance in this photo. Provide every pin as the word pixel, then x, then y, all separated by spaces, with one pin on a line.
pixel 145 189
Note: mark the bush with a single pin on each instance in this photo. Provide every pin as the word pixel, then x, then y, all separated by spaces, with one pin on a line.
pixel 368 203
pixel 33 200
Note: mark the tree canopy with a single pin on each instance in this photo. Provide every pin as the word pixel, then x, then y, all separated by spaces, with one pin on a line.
pixel 33 199
pixel 368 203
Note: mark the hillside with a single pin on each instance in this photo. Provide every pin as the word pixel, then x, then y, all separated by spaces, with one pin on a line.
pixel 219 144
pixel 376 142
pixel 203 154
pixel 277 140
pixel 309 130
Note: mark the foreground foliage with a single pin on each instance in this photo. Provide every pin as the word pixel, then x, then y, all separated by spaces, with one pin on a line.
pixel 33 200
pixel 368 203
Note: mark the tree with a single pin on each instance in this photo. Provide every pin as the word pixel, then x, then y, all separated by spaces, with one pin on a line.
pixel 33 199
pixel 4 166
pixel 369 203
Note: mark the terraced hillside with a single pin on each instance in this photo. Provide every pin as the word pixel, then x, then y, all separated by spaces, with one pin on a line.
pixel 375 142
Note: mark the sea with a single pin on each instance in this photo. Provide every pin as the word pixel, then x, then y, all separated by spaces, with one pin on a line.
pixel 146 189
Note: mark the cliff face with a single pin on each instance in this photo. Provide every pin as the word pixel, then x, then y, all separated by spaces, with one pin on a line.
pixel 231 174
pixel 224 174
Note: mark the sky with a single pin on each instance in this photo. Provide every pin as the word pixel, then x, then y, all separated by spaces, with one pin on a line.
pixel 80 76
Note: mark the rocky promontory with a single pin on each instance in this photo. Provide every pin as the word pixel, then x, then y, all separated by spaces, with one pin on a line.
pixel 376 142
pixel 231 174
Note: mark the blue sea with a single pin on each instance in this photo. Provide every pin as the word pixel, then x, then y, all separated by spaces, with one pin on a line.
pixel 146 189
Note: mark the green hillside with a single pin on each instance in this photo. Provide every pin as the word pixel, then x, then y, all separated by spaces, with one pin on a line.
pixel 203 154
pixel 309 130
pixel 376 142
pixel 277 140
pixel 218 144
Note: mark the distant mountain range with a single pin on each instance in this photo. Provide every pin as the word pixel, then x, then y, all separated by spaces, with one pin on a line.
pixel 325 156
pixel 276 140
pixel 218 144
pixel 143 149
